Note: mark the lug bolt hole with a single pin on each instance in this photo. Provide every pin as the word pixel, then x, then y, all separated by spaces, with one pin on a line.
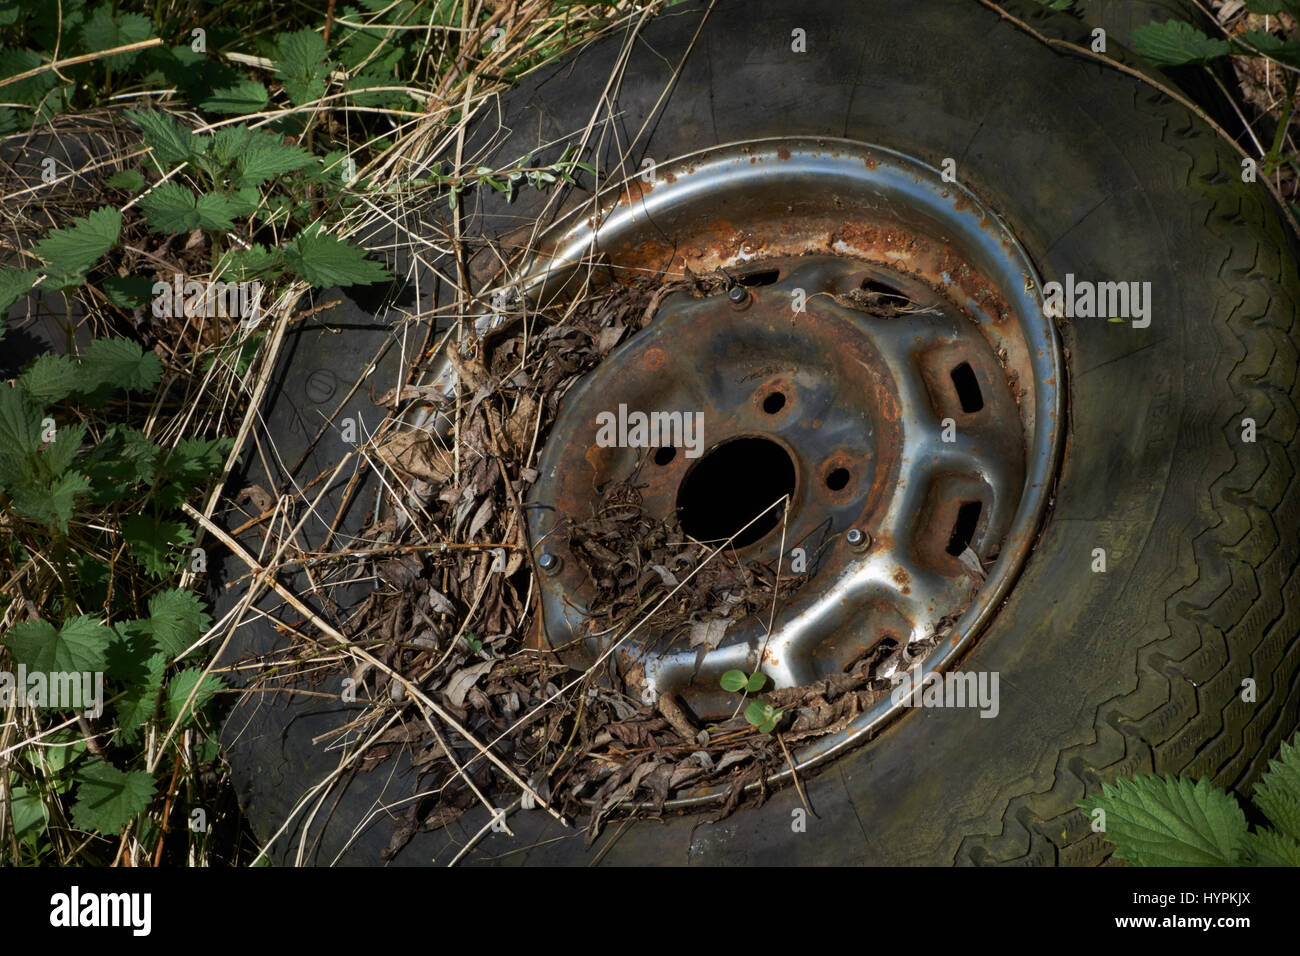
pixel 774 403
pixel 665 455
pixel 837 479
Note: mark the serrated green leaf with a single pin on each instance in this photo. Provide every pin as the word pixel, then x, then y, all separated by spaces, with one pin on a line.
pixel 1171 821
pixel 257 262
pixel 104 31
pixel 1278 792
pixel 14 284
pixel 325 260
pixel 57 456
pixel 118 363
pixel 189 465
pixel 49 379
pixel 1270 848
pixel 171 142
pixel 215 211
pixel 119 463
pixel 169 209
pixel 32 90
pixel 76 248
pixel 1174 43
pixel 266 160
pixel 139 704
pixel 52 502
pixel 78 645
pixel 1273 7
pixel 301 65
pixel 178 691
pixel 733 680
pixel 130 180
pixel 177 619
pixel 108 799
pixel 20 436
pixel 153 543
pixel 128 292
pixel 246 96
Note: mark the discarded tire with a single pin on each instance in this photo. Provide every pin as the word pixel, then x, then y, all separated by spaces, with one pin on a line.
pixel 1152 624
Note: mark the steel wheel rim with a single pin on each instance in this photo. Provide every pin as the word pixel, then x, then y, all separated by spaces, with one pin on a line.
pixel 881 210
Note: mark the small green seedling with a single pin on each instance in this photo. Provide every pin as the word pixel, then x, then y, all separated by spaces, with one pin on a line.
pixel 472 642
pixel 738 681
pixel 762 715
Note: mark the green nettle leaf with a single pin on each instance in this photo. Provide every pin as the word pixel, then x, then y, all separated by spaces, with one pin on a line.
pixel 104 31
pixel 52 502
pixel 1174 43
pixel 79 645
pixel 1273 7
pixel 31 90
pixel 14 284
pixel 122 460
pixel 128 292
pixel 257 262
pixel 152 542
pixel 177 619
pixel 131 180
pixel 108 799
pixel 139 704
pixel 178 691
pixel 119 363
pixel 733 681
pixel 263 160
pixel 20 437
pixel 57 456
pixel 246 96
pixel 1269 44
pixel 189 465
pixel 1171 821
pixel 169 208
pixel 325 260
pixel 301 65
pixel 75 249
pixel 172 143
pixel 216 211
pixel 1278 792
pixel 49 379
pixel 1270 848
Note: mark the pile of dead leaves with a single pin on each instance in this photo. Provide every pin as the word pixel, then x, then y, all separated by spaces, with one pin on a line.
pixel 452 617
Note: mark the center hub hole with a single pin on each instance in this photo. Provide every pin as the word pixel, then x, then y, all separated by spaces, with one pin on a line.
pixel 730 486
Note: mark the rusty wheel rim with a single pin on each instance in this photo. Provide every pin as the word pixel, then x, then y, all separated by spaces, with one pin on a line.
pixel 946 416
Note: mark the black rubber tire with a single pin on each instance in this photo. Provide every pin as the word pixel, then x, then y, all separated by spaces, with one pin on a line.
pixel 1136 669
